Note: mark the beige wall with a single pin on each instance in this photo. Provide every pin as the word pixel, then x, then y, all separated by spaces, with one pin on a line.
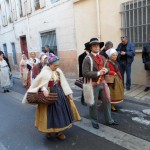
pixel 86 27
pixel 85 22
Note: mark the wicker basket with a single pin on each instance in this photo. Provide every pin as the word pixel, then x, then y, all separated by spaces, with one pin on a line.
pixel 36 98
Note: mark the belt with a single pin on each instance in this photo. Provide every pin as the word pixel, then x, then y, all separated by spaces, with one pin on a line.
pixel 52 83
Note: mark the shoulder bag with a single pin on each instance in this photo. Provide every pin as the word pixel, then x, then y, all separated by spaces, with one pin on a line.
pixel 88 88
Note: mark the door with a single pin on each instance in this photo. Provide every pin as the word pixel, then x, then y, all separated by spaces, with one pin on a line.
pixel 23 44
pixel 5 50
pixel 14 53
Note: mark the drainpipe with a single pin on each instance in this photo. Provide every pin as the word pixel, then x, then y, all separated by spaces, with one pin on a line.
pixel 28 33
pixel 98 18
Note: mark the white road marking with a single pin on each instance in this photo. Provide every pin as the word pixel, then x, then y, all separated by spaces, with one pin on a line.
pixel 2 147
pixel 123 139
pixel 141 120
pixel 134 112
pixel 146 111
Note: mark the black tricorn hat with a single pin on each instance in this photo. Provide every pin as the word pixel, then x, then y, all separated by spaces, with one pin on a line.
pixel 95 41
pixel 87 46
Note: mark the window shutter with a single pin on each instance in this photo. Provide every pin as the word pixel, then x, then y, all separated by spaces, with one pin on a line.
pixel 42 3
pixel 23 7
pixel 54 1
pixel 4 14
pixel 13 9
pixel 29 10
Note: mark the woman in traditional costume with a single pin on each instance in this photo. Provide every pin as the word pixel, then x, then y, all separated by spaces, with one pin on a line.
pixel 23 70
pixel 4 74
pixel 60 115
pixel 30 64
pixel 116 88
pixel 38 67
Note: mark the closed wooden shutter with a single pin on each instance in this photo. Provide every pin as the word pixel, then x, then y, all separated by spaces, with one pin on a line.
pixel 29 10
pixel 23 3
pixel 4 14
pixel 42 3
pixel 13 9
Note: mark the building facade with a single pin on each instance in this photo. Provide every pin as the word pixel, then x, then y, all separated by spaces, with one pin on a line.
pixel 29 25
pixel 65 25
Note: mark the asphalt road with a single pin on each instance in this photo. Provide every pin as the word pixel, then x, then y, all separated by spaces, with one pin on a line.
pixel 17 131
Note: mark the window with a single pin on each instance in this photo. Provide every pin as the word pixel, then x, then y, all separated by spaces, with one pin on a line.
pixel 49 38
pixel 135 21
pixel 54 1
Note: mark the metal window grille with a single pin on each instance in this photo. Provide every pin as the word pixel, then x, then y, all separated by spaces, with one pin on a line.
pixel 135 21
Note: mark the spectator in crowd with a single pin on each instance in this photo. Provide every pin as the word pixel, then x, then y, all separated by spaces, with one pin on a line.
pixel 48 50
pixel 101 89
pixel 80 61
pixel 108 45
pixel 59 116
pixel 4 73
pixel 38 67
pixel 23 70
pixel 126 53
pixel 116 88
pixel 146 61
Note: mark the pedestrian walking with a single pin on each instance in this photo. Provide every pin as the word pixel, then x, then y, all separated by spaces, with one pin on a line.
pixel 6 59
pixel 59 116
pixel 100 87
pixel 23 70
pixel 126 53
pixel 116 88
pixel 146 61
pixel 30 63
pixel 4 74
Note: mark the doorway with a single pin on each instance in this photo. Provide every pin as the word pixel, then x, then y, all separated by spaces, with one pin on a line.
pixel 23 43
pixel 14 53
pixel 5 50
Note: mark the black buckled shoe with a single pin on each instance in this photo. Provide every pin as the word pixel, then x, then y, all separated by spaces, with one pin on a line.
pixel 83 103
pixel 146 89
pixel 95 125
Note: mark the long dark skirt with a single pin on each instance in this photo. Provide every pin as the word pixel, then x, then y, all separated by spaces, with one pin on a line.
pixel 55 117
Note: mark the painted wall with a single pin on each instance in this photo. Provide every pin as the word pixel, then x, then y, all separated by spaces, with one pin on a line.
pixel 109 28
pixel 59 17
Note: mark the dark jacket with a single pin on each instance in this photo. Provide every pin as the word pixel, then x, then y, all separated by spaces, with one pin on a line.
pixel 103 53
pixel 86 67
pixel 80 61
pixel 146 56
pixel 130 52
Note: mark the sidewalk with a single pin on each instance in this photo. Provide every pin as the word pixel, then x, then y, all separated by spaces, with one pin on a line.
pixel 136 93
